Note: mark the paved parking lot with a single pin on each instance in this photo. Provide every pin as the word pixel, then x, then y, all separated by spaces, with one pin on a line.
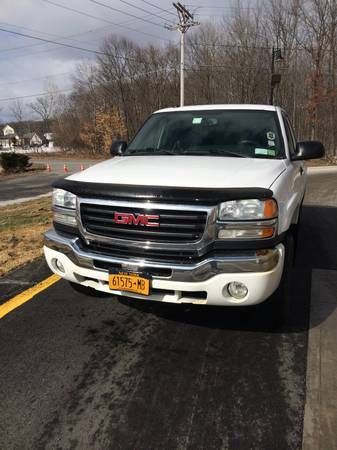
pixel 100 372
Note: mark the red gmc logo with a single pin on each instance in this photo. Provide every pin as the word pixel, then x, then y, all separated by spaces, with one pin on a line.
pixel 144 220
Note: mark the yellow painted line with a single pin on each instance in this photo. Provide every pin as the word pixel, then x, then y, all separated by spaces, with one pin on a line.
pixel 27 295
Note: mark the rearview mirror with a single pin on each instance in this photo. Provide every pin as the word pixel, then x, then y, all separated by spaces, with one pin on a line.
pixel 117 148
pixel 309 150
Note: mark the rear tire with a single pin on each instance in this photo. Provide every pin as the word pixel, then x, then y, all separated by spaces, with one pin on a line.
pixel 280 302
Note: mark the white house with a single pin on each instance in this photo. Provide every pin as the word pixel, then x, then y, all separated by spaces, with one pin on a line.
pixel 7 130
pixel 8 138
pixel 31 140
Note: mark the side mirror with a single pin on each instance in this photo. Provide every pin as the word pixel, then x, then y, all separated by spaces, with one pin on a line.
pixel 118 147
pixel 309 150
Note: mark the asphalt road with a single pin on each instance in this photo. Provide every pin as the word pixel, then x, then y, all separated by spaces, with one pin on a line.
pixel 36 183
pixel 80 372
pixel 25 186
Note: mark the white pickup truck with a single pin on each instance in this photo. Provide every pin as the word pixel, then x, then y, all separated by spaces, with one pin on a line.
pixel 201 207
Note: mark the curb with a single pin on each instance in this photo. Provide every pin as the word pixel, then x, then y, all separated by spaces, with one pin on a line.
pixel 24 199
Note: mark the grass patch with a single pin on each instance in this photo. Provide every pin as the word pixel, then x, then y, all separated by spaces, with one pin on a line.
pixel 21 232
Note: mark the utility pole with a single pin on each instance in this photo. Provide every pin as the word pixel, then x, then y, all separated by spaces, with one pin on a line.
pixel 186 21
pixel 275 77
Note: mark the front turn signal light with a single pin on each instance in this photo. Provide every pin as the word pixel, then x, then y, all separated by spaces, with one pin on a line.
pixel 270 209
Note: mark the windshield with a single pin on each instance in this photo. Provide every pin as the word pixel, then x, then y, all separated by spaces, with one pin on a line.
pixel 236 133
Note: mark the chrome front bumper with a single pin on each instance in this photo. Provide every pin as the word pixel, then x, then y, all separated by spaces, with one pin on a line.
pixel 259 261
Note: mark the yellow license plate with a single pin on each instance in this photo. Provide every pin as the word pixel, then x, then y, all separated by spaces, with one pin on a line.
pixel 129 283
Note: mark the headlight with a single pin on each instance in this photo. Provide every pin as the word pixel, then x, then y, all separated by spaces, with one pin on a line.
pixel 252 209
pixel 247 219
pixel 64 206
pixel 64 199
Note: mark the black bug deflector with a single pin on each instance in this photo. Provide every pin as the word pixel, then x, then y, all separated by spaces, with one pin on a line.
pixel 206 196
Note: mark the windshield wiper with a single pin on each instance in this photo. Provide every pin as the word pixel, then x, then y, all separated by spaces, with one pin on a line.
pixel 212 151
pixel 164 151
pixel 226 153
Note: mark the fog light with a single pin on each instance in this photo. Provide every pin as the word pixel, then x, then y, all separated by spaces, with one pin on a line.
pixel 59 266
pixel 237 290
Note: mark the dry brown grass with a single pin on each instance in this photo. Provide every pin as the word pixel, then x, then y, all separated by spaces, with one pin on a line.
pixel 21 232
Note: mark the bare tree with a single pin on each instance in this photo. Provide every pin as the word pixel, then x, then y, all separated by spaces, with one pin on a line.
pixel 315 19
pixel 17 110
pixel 45 106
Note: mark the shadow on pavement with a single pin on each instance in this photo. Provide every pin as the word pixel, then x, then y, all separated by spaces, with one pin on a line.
pixel 317 249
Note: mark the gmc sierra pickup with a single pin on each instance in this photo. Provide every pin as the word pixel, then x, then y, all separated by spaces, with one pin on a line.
pixel 201 207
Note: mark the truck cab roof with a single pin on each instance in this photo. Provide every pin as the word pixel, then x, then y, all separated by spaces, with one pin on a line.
pixel 220 107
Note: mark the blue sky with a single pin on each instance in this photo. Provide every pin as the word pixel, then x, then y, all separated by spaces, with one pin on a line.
pixel 27 66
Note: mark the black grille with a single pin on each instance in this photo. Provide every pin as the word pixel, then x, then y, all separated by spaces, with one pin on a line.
pixel 168 256
pixel 153 271
pixel 175 226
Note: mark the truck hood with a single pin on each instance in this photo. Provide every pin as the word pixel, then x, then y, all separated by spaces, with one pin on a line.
pixel 184 171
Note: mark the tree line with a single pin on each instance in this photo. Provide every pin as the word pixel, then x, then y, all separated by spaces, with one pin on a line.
pixel 227 61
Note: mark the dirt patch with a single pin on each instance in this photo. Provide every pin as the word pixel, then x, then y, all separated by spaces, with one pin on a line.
pixel 21 232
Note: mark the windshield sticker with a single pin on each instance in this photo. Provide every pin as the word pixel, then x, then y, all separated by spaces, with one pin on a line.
pixel 265 151
pixel 197 120
pixel 271 143
pixel 271 136
pixel 212 121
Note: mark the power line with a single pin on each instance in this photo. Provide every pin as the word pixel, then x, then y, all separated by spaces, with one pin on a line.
pixel 49 41
pixel 143 10
pixel 211 16
pixel 216 7
pixel 82 13
pixel 157 7
pixel 29 29
pixel 210 7
pixel 243 47
pixel 49 49
pixel 125 13
pixel 44 33
pixel 11 83
pixel 97 52
pixel 42 94
pixel 37 31
pixel 248 47
pixel 52 49
pixel 69 37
